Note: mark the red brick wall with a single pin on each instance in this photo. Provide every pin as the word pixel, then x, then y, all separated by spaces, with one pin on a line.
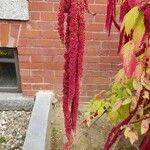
pixel 41 53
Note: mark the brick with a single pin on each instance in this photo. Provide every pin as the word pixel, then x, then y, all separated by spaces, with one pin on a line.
pixel 40 59
pixel 50 35
pixel 24 65
pixel 31 34
pixel 23 42
pixel 41 73
pixel 29 92
pixel 102 59
pixel 28 79
pixel 53 66
pixel 59 73
pixel 58 59
pixel 26 86
pixel 99 9
pixel 49 79
pixel 40 43
pixel 110 45
pixel 104 36
pixel 24 72
pixel 48 16
pixel 98 66
pixel 56 7
pixel 14 29
pixel 34 15
pixel 4 34
pixel 96 80
pixel 36 65
pixel 95 27
pixel 41 25
pixel 100 1
pixel 42 87
pixel 41 53
pixel 100 18
pixel 24 58
pixel 40 6
pixel 88 35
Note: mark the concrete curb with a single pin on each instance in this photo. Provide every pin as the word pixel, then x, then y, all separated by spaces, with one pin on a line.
pixel 19 105
pixel 38 133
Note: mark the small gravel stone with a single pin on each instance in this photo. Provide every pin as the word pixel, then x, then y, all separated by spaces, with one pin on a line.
pixel 13 126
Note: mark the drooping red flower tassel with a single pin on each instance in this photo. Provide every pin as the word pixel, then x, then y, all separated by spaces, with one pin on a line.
pixel 74 40
pixel 61 19
pixel 111 8
pixel 81 44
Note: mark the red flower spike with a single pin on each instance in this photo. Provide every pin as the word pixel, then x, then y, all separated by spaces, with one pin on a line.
pixel 74 40
pixel 61 19
pixel 111 8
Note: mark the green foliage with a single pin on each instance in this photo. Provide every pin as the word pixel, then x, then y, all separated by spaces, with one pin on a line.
pixel 130 20
pixel 117 104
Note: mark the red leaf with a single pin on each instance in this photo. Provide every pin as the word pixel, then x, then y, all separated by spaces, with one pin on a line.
pixel 133 3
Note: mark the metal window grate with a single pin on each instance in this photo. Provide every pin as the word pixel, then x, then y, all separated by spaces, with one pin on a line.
pixel 9 70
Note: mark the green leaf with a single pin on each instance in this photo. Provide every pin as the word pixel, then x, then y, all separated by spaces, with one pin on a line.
pixel 148 70
pixel 106 105
pixel 126 132
pixel 127 101
pixel 101 111
pixel 137 85
pixel 130 84
pixel 123 111
pixel 95 105
pixel 130 20
pixel 138 71
pixel 117 105
pixel 129 91
pixel 113 117
pixel 120 76
pixel 139 29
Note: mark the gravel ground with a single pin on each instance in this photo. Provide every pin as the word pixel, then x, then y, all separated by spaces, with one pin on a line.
pixel 13 125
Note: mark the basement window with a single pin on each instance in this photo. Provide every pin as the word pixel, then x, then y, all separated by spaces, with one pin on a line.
pixel 9 70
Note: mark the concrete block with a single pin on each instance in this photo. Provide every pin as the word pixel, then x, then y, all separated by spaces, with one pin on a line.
pixel 14 9
pixel 39 125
